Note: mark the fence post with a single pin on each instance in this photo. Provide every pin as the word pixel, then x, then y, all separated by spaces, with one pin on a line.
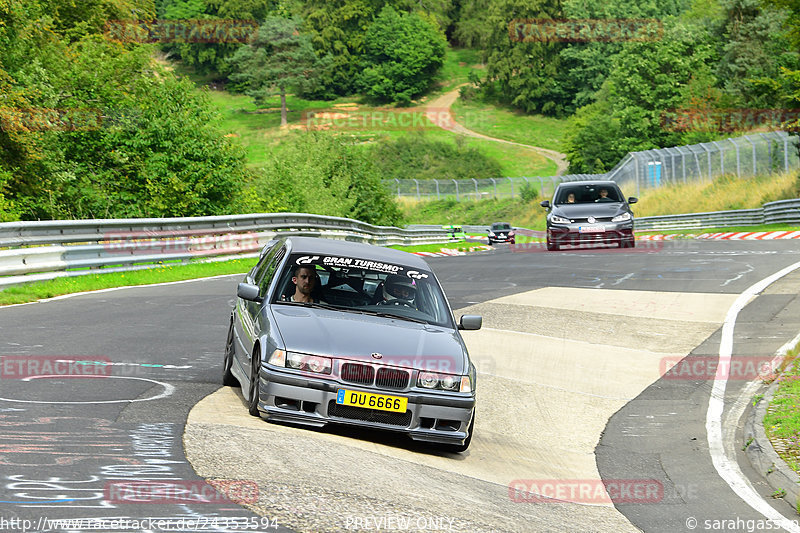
pixel 512 187
pixel 437 188
pixel 494 186
pixel 755 167
pixel 477 194
pixel 398 187
pixel 721 157
pixel 458 199
pixel 415 181
pixel 738 164
pixel 786 154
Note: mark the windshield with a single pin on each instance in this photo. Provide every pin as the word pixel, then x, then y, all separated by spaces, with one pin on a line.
pixel 360 285
pixel 588 194
pixel 501 226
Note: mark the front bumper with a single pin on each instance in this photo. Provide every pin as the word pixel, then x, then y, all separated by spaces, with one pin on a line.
pixel 572 234
pixel 312 402
pixel 501 238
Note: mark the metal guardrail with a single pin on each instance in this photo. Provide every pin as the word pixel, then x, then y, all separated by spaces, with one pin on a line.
pixel 39 250
pixel 780 212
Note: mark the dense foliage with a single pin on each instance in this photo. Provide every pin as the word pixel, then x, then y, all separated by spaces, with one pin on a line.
pixel 318 172
pixel 415 156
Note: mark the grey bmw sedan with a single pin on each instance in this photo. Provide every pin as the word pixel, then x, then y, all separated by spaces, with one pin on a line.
pixel 326 331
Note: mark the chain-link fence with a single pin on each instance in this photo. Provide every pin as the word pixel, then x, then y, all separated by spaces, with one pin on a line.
pixel 762 153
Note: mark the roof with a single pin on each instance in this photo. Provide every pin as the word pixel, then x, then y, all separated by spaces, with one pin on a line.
pixel 314 245
pixel 588 182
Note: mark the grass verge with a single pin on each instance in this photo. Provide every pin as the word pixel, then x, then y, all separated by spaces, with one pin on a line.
pixel 782 421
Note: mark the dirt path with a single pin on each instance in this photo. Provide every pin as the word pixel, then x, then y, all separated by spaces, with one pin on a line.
pixel 438 112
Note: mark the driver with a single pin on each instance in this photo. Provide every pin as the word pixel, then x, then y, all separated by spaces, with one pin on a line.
pixel 399 290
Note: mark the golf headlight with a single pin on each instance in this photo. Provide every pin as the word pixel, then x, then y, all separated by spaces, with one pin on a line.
pixel 510 233
pixel 491 234
pixel 621 218
pixel 555 219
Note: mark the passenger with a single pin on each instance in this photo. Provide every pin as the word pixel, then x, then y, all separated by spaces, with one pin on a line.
pixel 398 290
pixel 571 198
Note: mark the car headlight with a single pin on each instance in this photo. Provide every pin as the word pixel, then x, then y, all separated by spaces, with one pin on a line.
pixel 621 218
pixel 555 219
pixel 491 234
pixel 448 382
pixel 299 361
pixel 510 233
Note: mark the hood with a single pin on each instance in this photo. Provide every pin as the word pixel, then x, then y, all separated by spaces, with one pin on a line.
pixel 356 337
pixel 597 210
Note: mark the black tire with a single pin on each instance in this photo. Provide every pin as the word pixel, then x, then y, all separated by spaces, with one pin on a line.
pixel 460 448
pixel 254 396
pixel 551 246
pixel 228 379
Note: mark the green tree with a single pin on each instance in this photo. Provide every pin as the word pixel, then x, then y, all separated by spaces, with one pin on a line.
pixel 278 59
pixel 402 53
pixel 318 172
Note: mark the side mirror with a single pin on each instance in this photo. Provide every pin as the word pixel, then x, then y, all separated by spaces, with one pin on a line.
pixel 632 200
pixel 545 204
pixel 470 322
pixel 249 292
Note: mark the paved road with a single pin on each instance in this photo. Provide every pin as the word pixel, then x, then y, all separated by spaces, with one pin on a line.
pixel 570 339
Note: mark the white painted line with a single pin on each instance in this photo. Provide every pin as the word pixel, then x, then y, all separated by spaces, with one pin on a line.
pixel 725 464
pixel 168 390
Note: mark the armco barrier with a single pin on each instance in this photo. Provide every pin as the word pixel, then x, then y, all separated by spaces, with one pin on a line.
pixel 780 212
pixel 33 251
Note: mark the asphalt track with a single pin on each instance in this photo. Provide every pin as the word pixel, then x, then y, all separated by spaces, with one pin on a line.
pixel 570 358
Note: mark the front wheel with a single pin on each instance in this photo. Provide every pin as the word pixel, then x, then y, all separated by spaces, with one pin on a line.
pixel 551 246
pixel 228 379
pixel 254 396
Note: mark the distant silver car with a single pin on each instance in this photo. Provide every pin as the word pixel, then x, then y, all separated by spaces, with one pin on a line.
pixel 326 331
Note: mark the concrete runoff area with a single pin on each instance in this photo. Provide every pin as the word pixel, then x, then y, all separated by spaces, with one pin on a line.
pixel 554 365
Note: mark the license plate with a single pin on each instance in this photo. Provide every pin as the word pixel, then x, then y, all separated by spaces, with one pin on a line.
pixel 367 400
pixel 591 229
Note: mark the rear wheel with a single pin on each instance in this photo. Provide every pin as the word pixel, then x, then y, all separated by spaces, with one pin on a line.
pixel 228 379
pixel 255 373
